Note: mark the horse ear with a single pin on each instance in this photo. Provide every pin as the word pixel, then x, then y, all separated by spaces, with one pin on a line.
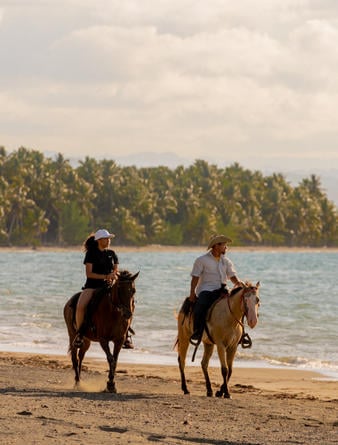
pixel 133 278
pixel 258 284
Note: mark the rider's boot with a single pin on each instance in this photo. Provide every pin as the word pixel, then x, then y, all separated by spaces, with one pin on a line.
pixel 128 343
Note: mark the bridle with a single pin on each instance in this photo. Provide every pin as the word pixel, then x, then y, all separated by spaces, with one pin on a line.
pixel 248 291
pixel 122 307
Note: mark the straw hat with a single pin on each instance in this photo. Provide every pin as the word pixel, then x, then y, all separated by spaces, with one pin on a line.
pixel 218 239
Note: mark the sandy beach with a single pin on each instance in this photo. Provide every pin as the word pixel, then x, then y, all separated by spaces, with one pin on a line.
pixel 269 406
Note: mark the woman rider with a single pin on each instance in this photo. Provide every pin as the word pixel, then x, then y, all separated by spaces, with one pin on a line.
pixel 101 266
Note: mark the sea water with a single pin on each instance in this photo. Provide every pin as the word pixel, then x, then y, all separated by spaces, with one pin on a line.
pixel 297 324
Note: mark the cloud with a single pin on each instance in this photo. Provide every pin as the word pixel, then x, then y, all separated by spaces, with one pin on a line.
pixel 193 77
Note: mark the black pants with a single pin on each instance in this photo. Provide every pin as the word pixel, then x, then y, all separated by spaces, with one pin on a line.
pixel 203 303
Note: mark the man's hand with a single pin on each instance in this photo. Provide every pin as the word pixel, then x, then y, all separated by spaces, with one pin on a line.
pixel 192 298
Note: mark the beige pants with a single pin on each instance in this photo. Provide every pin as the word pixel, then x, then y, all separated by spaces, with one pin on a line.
pixel 84 298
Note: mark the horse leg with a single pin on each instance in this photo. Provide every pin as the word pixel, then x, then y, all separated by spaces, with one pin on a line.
pixel 82 351
pixel 208 350
pixel 225 373
pixel 112 361
pixel 183 345
pixel 75 363
pixel 69 317
pixel 231 352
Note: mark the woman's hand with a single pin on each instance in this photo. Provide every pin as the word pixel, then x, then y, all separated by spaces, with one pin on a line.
pixel 112 276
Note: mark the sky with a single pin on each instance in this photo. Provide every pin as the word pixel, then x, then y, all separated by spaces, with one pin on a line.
pixel 248 81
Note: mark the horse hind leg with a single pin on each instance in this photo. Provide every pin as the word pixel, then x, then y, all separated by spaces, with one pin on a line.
pixel 77 355
pixel 182 348
pixel 181 365
pixel 75 363
pixel 82 351
pixel 68 313
pixel 208 350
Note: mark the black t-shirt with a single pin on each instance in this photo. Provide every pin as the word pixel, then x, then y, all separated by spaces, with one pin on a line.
pixel 103 263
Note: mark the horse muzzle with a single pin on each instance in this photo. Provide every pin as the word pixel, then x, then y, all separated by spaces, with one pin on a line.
pixel 252 322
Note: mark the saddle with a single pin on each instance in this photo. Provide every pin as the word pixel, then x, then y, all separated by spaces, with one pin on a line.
pixel 90 309
pixel 245 340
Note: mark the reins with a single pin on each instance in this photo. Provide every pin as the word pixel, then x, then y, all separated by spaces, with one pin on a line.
pixel 233 315
pixel 126 311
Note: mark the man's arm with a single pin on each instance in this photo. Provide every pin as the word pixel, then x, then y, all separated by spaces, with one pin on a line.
pixel 193 284
pixel 236 281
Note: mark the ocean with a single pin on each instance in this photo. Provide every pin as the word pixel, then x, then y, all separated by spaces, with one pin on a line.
pixel 297 325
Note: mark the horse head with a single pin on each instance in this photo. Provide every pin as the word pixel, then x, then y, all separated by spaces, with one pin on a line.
pixel 251 303
pixel 125 290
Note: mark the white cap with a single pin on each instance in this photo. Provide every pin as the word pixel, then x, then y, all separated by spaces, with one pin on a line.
pixel 103 233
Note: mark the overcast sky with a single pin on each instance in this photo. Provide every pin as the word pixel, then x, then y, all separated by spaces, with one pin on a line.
pixel 247 80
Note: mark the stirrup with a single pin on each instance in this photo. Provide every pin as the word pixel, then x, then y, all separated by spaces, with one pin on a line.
pixel 78 341
pixel 128 344
pixel 246 341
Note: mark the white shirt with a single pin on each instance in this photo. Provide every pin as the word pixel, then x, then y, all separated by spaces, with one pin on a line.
pixel 211 272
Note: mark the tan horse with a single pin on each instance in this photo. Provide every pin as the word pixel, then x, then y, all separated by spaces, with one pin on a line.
pixel 224 328
pixel 108 317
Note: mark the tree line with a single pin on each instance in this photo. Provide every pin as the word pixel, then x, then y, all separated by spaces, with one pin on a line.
pixel 45 201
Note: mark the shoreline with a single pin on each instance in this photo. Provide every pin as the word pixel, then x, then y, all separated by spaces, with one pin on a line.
pixel 136 358
pixel 268 406
pixel 309 383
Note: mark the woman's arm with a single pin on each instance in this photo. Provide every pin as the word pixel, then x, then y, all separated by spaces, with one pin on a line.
pixel 98 276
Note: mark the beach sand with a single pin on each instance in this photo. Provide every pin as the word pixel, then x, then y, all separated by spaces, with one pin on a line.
pixel 39 405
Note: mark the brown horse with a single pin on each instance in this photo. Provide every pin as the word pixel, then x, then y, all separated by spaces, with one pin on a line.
pixel 108 317
pixel 224 328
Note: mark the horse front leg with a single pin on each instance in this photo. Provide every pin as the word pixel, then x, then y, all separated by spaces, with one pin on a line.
pixel 226 373
pixel 112 361
pixel 77 359
pixel 208 350
pixel 231 352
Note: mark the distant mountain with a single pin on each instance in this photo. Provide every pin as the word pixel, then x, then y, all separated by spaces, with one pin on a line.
pixel 149 159
pixel 328 176
pixel 293 170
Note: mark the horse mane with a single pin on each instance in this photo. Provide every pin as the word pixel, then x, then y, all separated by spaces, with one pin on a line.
pixel 94 303
pixel 100 293
pixel 125 275
pixel 234 290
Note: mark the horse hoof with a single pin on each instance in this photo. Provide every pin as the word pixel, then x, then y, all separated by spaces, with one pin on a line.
pixel 209 394
pixel 227 396
pixel 111 388
pixel 186 392
pixel 219 394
